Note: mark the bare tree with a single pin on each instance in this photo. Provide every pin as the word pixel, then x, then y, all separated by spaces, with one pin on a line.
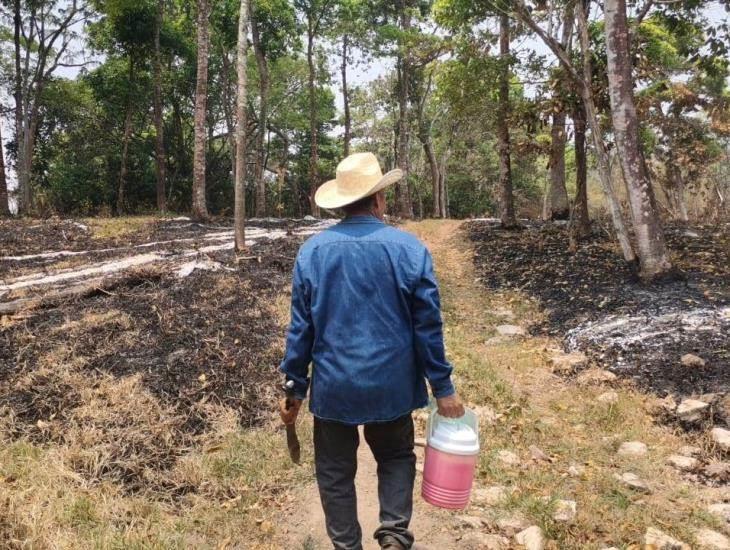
pixel 43 33
pixel 239 209
pixel 404 206
pixel 506 198
pixel 653 255
pixel 4 197
pixel 200 207
pixel 160 157
pixel 264 87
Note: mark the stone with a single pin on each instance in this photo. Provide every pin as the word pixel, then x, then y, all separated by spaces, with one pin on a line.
pixel 721 437
pixel 531 538
pixel 512 524
pixel 476 540
pixel 511 330
pixel 565 510
pixel 692 410
pixel 609 398
pixel 576 470
pixel 692 360
pixel 490 496
pixel 632 481
pixel 568 362
pixel 595 376
pixel 683 463
pixel 654 538
pixel 508 458
pixel 472 522
pixel 712 540
pixel 537 454
pixel 690 450
pixel 633 448
pixel 719 471
pixel 720 510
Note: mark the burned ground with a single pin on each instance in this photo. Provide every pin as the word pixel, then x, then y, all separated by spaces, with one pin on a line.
pixel 140 371
pixel 592 299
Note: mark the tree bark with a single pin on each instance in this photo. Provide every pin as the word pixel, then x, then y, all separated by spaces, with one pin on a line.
pixel 126 136
pixel 264 86
pixel 580 215
pixel 4 197
pixel 653 256
pixel 200 207
pixel 313 130
pixel 404 206
pixel 160 156
pixel 506 198
pixel 557 198
pixel 345 98
pixel 424 136
pixel 23 178
pixel 239 209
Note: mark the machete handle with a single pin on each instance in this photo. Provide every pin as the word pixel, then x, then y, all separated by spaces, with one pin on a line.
pixel 288 388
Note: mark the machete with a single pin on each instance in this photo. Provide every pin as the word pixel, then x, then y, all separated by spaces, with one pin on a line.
pixel 292 441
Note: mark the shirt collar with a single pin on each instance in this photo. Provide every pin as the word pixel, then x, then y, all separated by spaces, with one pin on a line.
pixel 361 218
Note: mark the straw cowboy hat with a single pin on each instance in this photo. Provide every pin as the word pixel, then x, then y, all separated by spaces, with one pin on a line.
pixel 358 176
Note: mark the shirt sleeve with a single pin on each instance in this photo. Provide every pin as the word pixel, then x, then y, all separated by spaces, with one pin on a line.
pixel 428 331
pixel 300 337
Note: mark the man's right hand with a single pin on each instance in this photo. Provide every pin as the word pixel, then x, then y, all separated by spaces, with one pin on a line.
pixel 289 411
pixel 450 407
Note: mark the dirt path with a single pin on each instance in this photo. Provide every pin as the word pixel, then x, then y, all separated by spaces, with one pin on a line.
pixel 551 446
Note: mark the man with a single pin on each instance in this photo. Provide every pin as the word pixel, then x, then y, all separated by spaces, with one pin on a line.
pixel 365 312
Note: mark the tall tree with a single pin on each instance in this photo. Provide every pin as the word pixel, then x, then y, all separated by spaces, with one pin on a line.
pixel 126 137
pixel 160 156
pixel 199 206
pixel 264 86
pixel 556 200
pixel 4 197
pixel 506 198
pixel 581 222
pixel 44 34
pixel 347 136
pixel 653 256
pixel 404 205
pixel 240 171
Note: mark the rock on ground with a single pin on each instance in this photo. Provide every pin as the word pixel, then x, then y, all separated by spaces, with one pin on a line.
pixel 683 463
pixel 690 450
pixel 609 398
pixel 568 362
pixel 565 510
pixel 721 437
pixel 508 458
pixel 632 481
pixel 633 448
pixel 482 541
pixel 654 538
pixel 490 496
pixel 692 410
pixel 531 538
pixel 472 522
pixel 512 524
pixel 712 540
pixel 692 360
pixel 595 376
pixel 511 330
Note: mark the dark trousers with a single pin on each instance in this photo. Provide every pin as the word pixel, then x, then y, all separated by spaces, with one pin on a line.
pixel 335 460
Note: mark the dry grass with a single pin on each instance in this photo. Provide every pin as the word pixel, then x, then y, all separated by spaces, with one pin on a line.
pixel 562 419
pixel 107 228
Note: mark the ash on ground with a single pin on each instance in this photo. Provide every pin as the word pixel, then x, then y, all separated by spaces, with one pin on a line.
pixel 593 300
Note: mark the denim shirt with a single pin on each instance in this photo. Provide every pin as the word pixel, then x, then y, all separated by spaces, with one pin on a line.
pixel 365 313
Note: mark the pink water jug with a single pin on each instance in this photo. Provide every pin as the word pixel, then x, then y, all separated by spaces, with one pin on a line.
pixel 452 451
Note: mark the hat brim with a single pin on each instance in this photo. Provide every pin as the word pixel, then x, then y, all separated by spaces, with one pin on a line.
pixel 329 197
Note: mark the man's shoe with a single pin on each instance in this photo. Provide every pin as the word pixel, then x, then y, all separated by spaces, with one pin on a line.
pixel 391 543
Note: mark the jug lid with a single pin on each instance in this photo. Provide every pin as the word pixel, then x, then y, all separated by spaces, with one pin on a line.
pixel 454 438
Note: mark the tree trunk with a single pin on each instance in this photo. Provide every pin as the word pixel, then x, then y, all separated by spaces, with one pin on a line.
pixel 23 177
pixel 557 200
pixel 313 131
pixel 127 135
pixel 653 256
pixel 264 85
pixel 4 198
pixel 506 202
pixel 580 215
pixel 675 190
pixel 200 207
pixel 160 157
pixel 404 207
pixel 604 165
pixel 239 209
pixel 345 98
